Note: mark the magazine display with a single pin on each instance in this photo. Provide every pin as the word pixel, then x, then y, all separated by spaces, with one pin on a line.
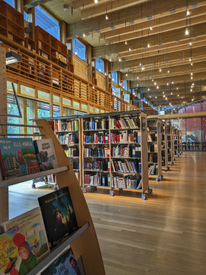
pixel 64 264
pixel 19 157
pixel 58 215
pixel 23 244
pixel 46 154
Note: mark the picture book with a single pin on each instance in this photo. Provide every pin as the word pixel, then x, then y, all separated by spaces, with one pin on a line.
pixel 58 215
pixel 23 245
pixel 46 154
pixel 64 264
pixel 19 157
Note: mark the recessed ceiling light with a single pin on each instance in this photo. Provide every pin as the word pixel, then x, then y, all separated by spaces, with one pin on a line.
pixel 150 28
pixel 95 1
pixel 148 45
pixel 177 88
pixel 160 70
pixel 125 42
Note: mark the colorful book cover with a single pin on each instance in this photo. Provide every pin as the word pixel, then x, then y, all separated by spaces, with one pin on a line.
pixel 23 245
pixel 58 215
pixel 46 154
pixel 19 157
pixel 64 264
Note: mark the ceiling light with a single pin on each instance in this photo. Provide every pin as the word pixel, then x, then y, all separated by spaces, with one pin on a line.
pixel 148 89
pixel 75 52
pixel 120 59
pixel 171 93
pixel 193 84
pixel 125 42
pixel 157 87
pixel 189 59
pixel 188 12
pixel 191 77
pixel 130 49
pixel 95 1
pixel 83 35
pixel 143 68
pixel 178 95
pixel 190 43
pixel 168 71
pixel 93 87
pixel 190 90
pixel 65 7
pixel 172 82
pixel 167 84
pixel 137 77
pixel 140 64
pixel 163 95
pixel 105 74
pixel 152 80
pixel 126 74
pixel 186 31
pixel 160 70
pixel 191 73
pixel 148 45
pixel 106 17
pixel 150 28
pixel 137 85
pixel 155 97
pixel 191 64
pixel 110 59
pixel 155 83
pixel 163 92
pixel 177 88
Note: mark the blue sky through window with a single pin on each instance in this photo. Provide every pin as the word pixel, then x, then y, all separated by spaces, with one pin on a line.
pixel 79 49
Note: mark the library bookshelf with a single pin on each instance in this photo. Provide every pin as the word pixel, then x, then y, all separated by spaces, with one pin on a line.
pixel 176 142
pixel 113 156
pixel 164 131
pixel 155 149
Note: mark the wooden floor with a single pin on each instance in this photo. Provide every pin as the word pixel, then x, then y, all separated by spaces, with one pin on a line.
pixel 164 235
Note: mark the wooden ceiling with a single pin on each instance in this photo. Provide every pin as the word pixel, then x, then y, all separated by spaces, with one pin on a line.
pixel 150 33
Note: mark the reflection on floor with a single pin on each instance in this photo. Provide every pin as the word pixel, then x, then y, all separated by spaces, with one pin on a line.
pixel 163 235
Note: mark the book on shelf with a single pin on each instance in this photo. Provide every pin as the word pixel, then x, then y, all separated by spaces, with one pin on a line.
pixel 58 215
pixel 63 264
pixel 102 124
pixel 97 165
pixel 126 137
pixel 124 123
pixel 23 244
pixel 97 138
pixel 68 138
pixel 101 152
pixel 97 179
pixel 71 151
pixel 74 163
pixel 62 126
pixel 126 182
pixel 19 157
pixel 46 154
pixel 125 166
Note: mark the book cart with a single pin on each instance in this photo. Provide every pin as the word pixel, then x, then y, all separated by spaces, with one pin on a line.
pixel 164 131
pixel 155 149
pixel 114 156
pixel 83 241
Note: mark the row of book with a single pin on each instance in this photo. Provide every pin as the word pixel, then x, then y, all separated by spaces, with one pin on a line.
pixel 96 138
pixel 22 156
pixel 125 166
pixel 67 126
pixel 74 163
pixel 125 137
pixel 97 179
pixel 153 170
pixel 102 165
pixel 152 157
pixel 102 124
pixel 101 152
pixel 68 138
pixel 71 151
pixel 124 123
pixel 27 239
pixel 123 151
pixel 126 183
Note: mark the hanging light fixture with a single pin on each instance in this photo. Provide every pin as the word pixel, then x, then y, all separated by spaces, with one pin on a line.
pixel 160 70
pixel 95 1
pixel 125 42
pixel 106 17
pixel 186 31
pixel 187 13
pixel 148 45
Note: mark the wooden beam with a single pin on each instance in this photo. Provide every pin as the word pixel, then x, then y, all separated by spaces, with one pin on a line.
pixel 178 116
pixel 126 15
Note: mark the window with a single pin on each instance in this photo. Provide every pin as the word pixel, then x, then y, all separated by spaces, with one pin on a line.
pixel 79 49
pixel 47 22
pixel 114 77
pixel 12 109
pixel 10 2
pixel 43 110
pixel 124 83
pixel 126 97
pixel 26 16
pixel 100 65
pixel 116 91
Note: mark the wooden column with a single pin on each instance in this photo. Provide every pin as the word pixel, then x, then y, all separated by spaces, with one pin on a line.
pixel 4 211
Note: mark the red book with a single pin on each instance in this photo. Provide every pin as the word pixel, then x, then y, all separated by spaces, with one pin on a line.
pixel 2 167
pixel 57 126
pixel 103 137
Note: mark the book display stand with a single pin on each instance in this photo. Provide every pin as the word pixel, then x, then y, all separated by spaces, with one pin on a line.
pixel 155 149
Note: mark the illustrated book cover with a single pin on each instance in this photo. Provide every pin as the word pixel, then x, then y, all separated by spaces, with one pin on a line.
pixel 58 215
pixel 19 157
pixel 64 264
pixel 46 154
pixel 24 244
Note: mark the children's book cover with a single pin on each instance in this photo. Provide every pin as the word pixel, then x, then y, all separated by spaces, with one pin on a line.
pixel 19 157
pixel 58 215
pixel 64 264
pixel 23 245
pixel 46 154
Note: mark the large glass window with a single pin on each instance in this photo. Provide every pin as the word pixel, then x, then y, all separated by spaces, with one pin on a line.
pixel 124 84
pixel 126 97
pixel 114 77
pixel 26 16
pixel 100 65
pixel 79 49
pixel 47 22
pixel 12 109
pixel 10 2
pixel 116 91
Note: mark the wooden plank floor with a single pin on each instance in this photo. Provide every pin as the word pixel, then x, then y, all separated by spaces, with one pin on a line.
pixel 164 235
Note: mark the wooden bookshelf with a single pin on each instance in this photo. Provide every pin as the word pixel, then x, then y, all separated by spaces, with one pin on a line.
pixel 155 149
pixel 11 23
pixel 30 44
pixel 164 131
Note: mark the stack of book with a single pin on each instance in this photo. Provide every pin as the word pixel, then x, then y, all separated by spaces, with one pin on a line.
pixel 124 123
pixel 125 167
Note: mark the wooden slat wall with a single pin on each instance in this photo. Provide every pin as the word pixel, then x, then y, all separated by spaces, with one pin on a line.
pixel 80 68
pixel 100 80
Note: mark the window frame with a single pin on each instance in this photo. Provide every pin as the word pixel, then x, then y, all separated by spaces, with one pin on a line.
pixel 99 69
pixel 73 50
